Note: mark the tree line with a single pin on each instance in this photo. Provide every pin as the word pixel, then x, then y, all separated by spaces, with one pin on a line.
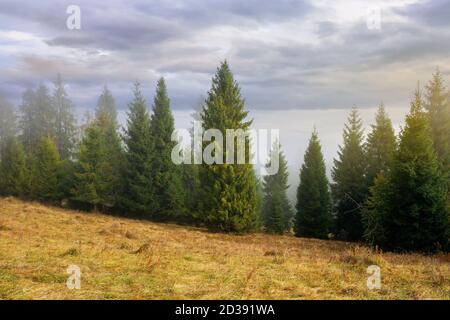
pixel 392 192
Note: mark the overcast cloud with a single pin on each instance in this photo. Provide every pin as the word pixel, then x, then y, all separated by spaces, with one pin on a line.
pixel 286 54
pixel 293 59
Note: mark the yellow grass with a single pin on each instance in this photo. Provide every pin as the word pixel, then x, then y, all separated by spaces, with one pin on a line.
pixel 130 259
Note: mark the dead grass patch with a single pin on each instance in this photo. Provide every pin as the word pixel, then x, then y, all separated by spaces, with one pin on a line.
pixel 131 259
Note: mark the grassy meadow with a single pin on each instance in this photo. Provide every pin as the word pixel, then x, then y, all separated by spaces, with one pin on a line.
pixel 131 259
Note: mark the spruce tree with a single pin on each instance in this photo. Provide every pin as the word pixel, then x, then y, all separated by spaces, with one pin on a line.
pixel 99 162
pixel 37 117
pixel 44 172
pixel 137 195
pixel 376 210
pixel 313 217
pixel 349 188
pixel 417 219
pixel 229 197
pixel 380 146
pixel 437 107
pixel 13 169
pixel 277 211
pixel 190 173
pixel 65 126
pixel 27 122
pixel 7 123
pixel 106 105
pixel 66 179
pixel 166 176
pixel 90 159
pixel 191 183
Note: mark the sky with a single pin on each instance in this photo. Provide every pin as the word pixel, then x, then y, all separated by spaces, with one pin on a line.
pixel 300 64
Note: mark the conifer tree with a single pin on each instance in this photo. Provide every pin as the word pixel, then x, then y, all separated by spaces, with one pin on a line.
pixel 277 211
pixel 377 209
pixel 107 105
pixel 191 183
pixel 166 176
pixel 190 173
pixel 99 163
pixel 37 117
pixel 137 194
pixel 313 195
pixel 380 146
pixel 13 169
pixel 229 197
pixel 65 126
pixel 7 123
pixel 349 188
pixel 66 180
pixel 44 172
pixel 438 110
pixel 27 122
pixel 90 160
pixel 417 219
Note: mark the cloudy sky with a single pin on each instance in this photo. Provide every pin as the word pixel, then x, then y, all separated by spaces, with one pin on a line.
pixel 299 63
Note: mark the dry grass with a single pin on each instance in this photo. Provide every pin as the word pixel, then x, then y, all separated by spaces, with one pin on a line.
pixel 129 259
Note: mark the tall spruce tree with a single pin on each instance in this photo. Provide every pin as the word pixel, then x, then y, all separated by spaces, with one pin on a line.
pixel 313 217
pixel 417 219
pixel 13 169
pixel 439 117
pixel 190 173
pixel 90 160
pixel 37 117
pixel 166 176
pixel 44 171
pixel 27 123
pixel 137 192
pixel 376 210
pixel 349 188
pixel 380 146
pixel 99 162
pixel 191 183
pixel 229 197
pixel 65 124
pixel 276 210
pixel 8 119
pixel 106 105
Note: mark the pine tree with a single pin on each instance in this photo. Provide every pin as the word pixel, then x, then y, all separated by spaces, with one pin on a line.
pixel 417 219
pixel 229 190
pixel 7 123
pixel 166 176
pixel 65 126
pixel 277 211
pixel 99 163
pixel 349 188
pixel 44 172
pixel 439 117
pixel 313 195
pixel 137 178
pixel 380 146
pixel 13 169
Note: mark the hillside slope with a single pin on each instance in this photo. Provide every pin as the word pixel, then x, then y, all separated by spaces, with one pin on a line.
pixel 130 259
